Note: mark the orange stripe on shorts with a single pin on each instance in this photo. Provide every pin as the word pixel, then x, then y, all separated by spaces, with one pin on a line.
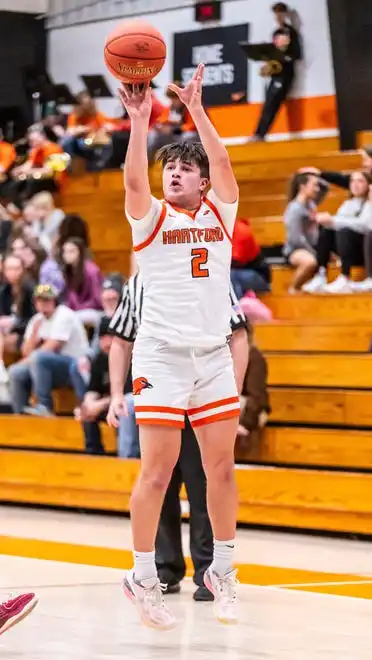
pixel 215 404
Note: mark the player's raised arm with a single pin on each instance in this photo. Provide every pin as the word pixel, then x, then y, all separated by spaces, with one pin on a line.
pixel 221 172
pixel 137 102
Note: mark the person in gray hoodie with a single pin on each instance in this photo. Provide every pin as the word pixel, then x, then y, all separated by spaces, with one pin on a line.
pixel 346 234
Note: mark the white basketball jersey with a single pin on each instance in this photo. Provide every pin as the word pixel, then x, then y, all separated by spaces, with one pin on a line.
pixel 184 259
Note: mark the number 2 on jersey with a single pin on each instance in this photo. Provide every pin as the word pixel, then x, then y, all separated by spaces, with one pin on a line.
pixel 199 259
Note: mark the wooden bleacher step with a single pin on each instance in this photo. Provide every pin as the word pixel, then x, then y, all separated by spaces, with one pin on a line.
pixel 302 336
pixel 320 370
pixel 322 407
pixel 296 446
pixel 325 307
pixel 312 499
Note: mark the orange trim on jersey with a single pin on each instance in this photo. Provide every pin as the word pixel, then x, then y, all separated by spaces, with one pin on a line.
pixel 191 214
pixel 229 414
pixel 218 216
pixel 152 236
pixel 215 404
pixel 161 422
pixel 174 411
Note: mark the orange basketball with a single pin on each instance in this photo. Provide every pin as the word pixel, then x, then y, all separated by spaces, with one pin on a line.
pixel 135 52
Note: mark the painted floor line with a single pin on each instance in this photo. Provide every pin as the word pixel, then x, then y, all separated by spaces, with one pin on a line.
pixel 322 584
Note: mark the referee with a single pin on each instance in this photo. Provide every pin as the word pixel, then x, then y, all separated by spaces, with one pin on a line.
pixel 188 470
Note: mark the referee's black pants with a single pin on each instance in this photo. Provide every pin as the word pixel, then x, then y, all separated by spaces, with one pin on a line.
pixel 170 560
pixel 276 94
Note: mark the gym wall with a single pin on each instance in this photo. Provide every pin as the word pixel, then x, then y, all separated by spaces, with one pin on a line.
pixel 79 50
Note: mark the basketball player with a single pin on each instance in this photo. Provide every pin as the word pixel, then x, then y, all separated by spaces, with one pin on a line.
pixel 181 358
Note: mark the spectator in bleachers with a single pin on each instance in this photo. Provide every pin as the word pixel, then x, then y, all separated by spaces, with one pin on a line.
pixel 54 338
pixel 7 159
pixel 96 401
pixel 88 128
pixel 16 308
pixel 83 282
pixel 6 228
pixel 35 175
pixel 255 404
pixel 33 256
pixel 301 228
pixel 43 219
pixel 175 124
pixel 120 135
pixel 110 295
pixel 249 270
pixel 348 235
pixel 72 226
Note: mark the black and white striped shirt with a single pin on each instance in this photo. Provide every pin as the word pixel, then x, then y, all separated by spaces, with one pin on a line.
pixel 127 317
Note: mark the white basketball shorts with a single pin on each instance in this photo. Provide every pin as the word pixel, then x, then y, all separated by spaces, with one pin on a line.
pixel 169 382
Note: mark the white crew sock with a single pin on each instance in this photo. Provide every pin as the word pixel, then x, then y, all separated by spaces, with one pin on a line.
pixel 144 566
pixel 223 552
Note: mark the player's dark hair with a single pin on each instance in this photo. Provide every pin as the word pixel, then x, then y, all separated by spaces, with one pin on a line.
pixel 299 179
pixel 280 6
pixel 186 152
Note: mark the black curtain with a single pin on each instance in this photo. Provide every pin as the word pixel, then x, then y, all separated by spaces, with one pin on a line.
pixel 351 29
pixel 23 55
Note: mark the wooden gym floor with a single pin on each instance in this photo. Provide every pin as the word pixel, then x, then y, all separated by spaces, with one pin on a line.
pixel 302 598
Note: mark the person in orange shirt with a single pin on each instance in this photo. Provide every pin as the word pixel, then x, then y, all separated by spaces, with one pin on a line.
pixel 173 125
pixel 83 123
pixel 249 270
pixel 34 175
pixel 7 157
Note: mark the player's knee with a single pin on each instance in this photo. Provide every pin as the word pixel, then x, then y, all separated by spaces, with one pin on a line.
pixel 221 470
pixel 157 477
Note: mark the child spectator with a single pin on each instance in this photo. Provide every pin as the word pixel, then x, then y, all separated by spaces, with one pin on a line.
pixel 255 397
pixel 16 308
pixel 346 234
pixel 54 339
pixel 249 270
pixel 301 228
pixel 83 282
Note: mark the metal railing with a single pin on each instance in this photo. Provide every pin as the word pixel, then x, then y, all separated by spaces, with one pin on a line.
pixel 63 13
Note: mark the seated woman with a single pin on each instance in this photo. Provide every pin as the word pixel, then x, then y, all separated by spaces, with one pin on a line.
pixel 84 124
pixel 16 308
pixel 302 230
pixel 343 235
pixel 43 219
pixel 83 282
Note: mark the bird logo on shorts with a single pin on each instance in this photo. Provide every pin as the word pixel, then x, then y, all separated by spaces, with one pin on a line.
pixel 140 384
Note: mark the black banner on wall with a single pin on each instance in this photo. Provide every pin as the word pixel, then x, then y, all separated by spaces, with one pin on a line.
pixel 226 66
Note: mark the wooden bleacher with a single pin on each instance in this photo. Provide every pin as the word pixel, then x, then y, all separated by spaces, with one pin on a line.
pixel 313 466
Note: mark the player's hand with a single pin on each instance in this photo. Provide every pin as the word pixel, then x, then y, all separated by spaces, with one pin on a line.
pixel 118 408
pixel 137 101
pixel 191 95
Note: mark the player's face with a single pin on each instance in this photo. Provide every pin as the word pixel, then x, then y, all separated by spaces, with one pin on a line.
pixel 183 184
